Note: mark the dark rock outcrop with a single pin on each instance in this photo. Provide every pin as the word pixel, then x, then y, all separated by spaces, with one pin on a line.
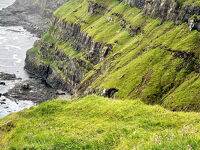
pixel 44 71
pixel 7 76
pixel 110 92
pixel 36 91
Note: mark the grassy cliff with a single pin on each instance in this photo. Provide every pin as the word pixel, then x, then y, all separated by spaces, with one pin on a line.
pixel 153 60
pixel 104 46
pixel 98 123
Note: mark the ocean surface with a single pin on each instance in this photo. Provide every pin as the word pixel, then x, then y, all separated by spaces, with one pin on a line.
pixel 14 42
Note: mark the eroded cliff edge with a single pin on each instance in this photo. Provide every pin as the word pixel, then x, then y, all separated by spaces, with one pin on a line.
pixel 170 10
pixel 112 49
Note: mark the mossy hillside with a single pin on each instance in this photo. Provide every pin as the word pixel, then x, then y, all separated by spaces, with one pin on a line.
pixel 58 45
pixel 98 26
pixel 99 123
pixel 39 59
pixel 66 47
pixel 190 2
pixel 141 65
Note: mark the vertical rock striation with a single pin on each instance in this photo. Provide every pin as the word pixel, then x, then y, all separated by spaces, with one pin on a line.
pixel 76 67
pixel 169 10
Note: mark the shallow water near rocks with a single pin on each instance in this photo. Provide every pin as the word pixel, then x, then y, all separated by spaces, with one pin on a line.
pixel 14 42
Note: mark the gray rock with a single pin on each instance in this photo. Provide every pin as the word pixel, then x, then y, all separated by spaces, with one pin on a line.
pixel 6 76
pixel 37 91
pixel 168 10
pixel 26 86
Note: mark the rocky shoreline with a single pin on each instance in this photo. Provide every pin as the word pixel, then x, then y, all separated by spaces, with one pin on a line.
pixel 34 89
pixel 15 93
pixel 33 15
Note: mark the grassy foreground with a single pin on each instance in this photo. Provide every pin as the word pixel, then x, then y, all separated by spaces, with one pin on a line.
pixel 99 123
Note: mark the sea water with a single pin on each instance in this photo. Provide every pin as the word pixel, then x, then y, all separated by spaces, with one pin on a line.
pixel 14 42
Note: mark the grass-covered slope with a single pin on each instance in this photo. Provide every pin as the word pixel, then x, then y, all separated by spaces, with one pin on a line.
pixel 99 123
pixel 159 63
pixel 155 61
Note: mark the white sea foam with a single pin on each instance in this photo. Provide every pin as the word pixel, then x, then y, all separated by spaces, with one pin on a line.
pixel 17 60
pixel 13 46
pixel 12 106
pixel 14 42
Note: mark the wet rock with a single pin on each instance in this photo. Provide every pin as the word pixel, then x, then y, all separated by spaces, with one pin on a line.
pixel 37 91
pixel 2 83
pixel 26 86
pixel 2 103
pixel 7 76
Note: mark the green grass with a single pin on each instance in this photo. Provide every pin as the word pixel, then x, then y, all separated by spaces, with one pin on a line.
pixel 139 66
pixel 98 123
pixel 190 2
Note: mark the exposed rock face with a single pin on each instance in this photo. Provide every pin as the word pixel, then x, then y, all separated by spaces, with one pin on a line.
pixel 31 14
pixel 82 42
pixel 6 76
pixel 38 68
pixel 95 8
pixel 33 90
pixel 45 72
pixel 73 69
pixel 169 10
pixel 135 3
pixel 164 9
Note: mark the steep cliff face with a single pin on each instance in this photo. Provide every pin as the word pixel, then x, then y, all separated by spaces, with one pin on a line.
pixel 32 14
pixel 114 50
pixel 135 3
pixel 170 10
pixel 79 55
pixel 164 9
